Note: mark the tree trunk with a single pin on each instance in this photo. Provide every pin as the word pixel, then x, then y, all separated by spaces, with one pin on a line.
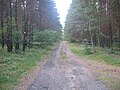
pixel 109 24
pixel 2 21
pixel 16 21
pixel 25 26
pixel 9 27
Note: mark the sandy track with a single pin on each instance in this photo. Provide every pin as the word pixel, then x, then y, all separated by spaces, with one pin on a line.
pixel 65 74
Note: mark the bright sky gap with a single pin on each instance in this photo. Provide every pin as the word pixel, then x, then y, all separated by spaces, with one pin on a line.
pixel 63 6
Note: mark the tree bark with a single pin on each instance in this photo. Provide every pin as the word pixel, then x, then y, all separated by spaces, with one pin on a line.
pixel 9 27
pixel 2 21
pixel 25 29
pixel 16 21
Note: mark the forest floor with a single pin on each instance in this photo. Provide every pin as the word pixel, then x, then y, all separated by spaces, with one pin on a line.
pixel 63 70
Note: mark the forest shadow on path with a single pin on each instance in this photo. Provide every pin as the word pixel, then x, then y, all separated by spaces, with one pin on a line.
pixel 60 73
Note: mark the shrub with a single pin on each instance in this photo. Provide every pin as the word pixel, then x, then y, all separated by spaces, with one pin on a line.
pixel 88 47
pixel 45 38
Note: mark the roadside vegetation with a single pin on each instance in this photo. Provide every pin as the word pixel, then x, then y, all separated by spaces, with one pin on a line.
pixel 14 66
pixel 97 53
pixel 63 55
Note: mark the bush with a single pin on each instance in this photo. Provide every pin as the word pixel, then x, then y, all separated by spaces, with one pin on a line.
pixel 88 47
pixel 45 38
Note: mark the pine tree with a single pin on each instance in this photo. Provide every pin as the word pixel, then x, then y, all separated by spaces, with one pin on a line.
pixel 95 21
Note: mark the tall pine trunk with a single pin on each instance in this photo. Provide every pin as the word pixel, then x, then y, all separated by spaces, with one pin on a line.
pixel 2 21
pixel 109 24
pixel 25 25
pixel 9 27
pixel 17 41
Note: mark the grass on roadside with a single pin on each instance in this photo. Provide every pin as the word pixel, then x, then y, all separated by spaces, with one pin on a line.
pixel 15 66
pixel 63 55
pixel 100 55
pixel 113 83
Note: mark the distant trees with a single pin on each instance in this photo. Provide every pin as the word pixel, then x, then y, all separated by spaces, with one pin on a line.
pixel 20 19
pixel 98 21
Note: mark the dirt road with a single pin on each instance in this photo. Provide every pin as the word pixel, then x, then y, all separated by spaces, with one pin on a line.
pixel 65 73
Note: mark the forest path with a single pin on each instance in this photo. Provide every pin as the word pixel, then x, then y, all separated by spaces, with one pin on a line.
pixel 62 71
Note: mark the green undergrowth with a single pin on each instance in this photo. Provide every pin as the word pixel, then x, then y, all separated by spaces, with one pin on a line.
pixel 15 66
pixel 100 54
pixel 63 55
